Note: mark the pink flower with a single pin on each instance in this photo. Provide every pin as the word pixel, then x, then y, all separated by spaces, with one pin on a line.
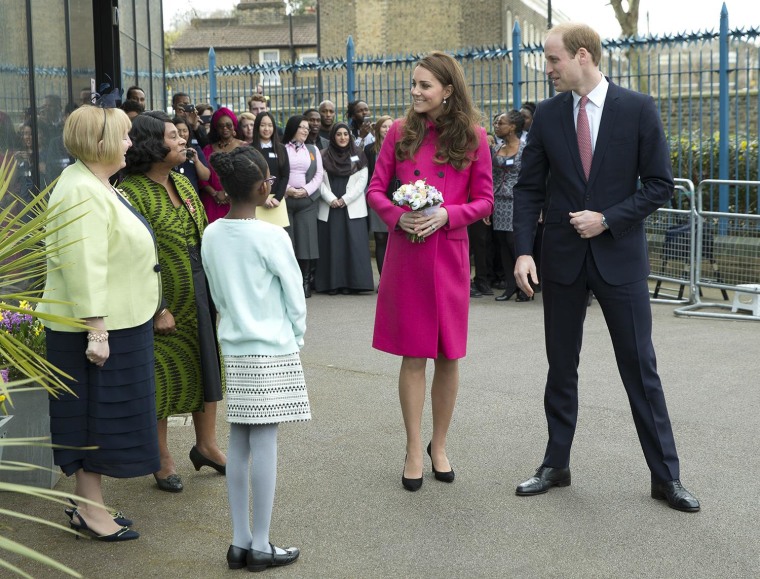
pixel 190 205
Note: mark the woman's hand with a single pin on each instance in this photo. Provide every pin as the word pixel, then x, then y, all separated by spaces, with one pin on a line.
pixel 97 352
pixel 221 198
pixel 271 203
pixel 338 204
pixel 296 192
pixel 163 323
pixel 424 225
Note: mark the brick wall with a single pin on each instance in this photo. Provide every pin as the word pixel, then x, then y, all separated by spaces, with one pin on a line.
pixel 394 27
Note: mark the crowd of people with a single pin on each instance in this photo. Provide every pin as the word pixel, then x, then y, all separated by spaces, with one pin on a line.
pixel 199 260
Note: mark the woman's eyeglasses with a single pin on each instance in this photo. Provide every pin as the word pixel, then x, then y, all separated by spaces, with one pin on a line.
pixel 270 180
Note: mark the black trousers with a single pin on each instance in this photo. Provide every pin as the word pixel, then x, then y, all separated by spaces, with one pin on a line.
pixel 628 315
pixel 480 247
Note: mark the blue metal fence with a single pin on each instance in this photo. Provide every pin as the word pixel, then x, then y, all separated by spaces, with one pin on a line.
pixel 705 85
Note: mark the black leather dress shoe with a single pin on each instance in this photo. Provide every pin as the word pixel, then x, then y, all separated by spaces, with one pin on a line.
pixel 678 497
pixel 170 484
pixel 259 560
pixel 483 288
pixel 545 478
pixel 474 292
pixel 237 557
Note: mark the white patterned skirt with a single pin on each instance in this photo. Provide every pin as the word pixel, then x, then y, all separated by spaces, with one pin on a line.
pixel 266 389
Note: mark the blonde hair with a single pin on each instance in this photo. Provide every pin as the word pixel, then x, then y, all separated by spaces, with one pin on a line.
pixel 576 35
pixel 248 116
pixel 456 125
pixel 89 126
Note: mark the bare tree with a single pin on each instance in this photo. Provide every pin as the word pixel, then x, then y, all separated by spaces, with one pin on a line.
pixel 629 21
pixel 629 26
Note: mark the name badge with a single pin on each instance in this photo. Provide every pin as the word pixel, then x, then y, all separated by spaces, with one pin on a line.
pixel 510 162
pixel 354 158
pixel 272 155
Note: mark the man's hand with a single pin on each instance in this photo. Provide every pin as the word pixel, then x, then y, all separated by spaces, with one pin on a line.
pixel 525 272
pixel 588 224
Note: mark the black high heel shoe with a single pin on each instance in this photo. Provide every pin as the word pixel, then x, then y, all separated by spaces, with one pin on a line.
pixel 260 560
pixel 410 484
pixel 441 476
pixel 199 460
pixel 237 557
pixel 123 534
pixel 118 516
pixel 506 295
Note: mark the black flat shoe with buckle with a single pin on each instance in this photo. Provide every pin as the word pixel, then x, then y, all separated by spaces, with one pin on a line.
pixel 259 560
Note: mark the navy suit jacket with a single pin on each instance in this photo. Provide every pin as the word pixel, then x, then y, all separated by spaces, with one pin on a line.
pixel 631 177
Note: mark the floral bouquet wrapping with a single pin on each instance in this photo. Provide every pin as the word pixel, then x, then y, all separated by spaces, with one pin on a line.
pixel 418 196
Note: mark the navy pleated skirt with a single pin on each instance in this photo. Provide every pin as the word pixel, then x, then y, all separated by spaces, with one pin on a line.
pixel 114 408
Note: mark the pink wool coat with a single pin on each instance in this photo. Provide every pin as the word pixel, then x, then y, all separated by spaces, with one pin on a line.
pixel 424 296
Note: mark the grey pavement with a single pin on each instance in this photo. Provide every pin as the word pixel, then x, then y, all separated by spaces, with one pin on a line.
pixel 339 496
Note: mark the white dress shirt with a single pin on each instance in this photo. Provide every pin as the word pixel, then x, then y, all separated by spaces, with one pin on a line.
pixel 593 108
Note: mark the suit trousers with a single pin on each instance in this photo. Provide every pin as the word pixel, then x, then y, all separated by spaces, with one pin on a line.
pixel 480 247
pixel 628 315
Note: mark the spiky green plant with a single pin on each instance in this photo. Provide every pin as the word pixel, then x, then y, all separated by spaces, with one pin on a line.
pixel 23 259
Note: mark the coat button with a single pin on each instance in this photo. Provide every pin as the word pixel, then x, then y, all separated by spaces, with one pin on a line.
pixel 440 174
pixel 157 268
pixel 416 172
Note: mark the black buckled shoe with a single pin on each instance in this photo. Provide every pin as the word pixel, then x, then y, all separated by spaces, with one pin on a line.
pixel 259 560
pixel 678 497
pixel 237 557
pixel 545 478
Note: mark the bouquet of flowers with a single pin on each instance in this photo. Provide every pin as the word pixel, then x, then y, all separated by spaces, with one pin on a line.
pixel 24 328
pixel 418 196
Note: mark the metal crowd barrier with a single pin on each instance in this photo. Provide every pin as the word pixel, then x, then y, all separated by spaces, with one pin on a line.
pixel 670 231
pixel 725 257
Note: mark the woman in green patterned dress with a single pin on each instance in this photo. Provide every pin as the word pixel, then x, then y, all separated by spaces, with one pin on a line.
pixel 188 376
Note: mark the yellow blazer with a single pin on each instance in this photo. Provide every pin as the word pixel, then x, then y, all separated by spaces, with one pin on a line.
pixel 110 270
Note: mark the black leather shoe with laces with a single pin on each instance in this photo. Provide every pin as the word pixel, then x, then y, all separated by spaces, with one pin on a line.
pixel 678 497
pixel 545 478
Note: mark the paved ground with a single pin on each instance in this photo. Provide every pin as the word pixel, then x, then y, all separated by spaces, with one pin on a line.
pixel 340 498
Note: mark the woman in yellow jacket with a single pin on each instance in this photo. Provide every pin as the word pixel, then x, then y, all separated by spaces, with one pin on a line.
pixel 105 273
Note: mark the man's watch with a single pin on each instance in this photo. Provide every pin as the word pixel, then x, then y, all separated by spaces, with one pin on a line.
pixel 604 221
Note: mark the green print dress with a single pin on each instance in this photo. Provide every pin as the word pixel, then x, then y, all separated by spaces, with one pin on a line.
pixel 187 361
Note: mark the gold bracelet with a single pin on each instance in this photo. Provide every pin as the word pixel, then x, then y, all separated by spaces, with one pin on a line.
pixel 97 336
pixel 162 313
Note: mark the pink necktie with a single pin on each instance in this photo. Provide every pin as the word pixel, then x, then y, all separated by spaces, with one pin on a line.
pixel 584 137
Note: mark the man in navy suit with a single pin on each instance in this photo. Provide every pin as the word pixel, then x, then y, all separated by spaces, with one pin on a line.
pixel 594 240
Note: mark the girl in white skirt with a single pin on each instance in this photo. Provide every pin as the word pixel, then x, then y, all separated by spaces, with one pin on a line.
pixel 256 285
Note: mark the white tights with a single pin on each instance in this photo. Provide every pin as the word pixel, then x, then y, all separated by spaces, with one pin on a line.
pixel 256 444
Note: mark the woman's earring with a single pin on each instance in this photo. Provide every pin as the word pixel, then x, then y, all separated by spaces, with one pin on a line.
pixel 444 101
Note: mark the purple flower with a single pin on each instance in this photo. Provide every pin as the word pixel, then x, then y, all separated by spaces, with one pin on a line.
pixel 4 375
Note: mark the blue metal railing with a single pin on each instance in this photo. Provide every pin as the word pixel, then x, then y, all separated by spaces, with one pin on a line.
pixel 705 85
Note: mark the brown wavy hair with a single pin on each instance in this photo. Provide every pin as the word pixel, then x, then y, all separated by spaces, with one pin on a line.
pixel 456 125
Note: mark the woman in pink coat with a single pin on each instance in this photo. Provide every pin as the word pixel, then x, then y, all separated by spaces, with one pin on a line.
pixel 423 300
